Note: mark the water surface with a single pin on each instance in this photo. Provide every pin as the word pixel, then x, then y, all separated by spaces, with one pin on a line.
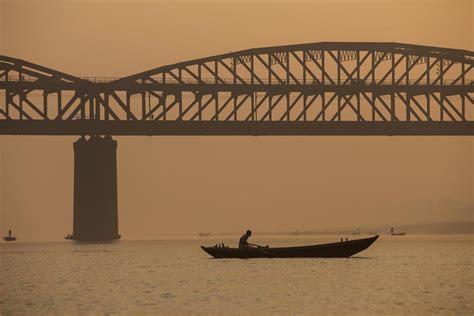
pixel 396 275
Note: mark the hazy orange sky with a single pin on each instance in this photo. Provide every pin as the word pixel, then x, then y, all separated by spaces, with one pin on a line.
pixel 174 185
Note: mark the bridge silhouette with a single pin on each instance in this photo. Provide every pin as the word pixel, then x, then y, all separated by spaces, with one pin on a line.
pixel 309 89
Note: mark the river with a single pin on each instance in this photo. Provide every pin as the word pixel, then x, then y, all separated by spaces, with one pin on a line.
pixel 415 275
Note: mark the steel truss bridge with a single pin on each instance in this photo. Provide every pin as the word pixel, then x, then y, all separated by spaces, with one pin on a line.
pixel 322 88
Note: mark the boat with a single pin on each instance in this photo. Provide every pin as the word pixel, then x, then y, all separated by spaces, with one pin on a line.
pixel 356 232
pixel 204 234
pixel 69 237
pixel 341 249
pixel 396 234
pixel 9 237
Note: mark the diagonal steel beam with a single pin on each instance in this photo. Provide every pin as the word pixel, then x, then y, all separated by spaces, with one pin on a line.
pixel 199 113
pixel 357 68
pixel 216 76
pixel 463 74
pixel 392 69
pixel 67 106
pixel 42 114
pixel 269 68
pixel 407 71
pixel 306 106
pixel 80 107
pixel 442 73
pixel 287 112
pixel 455 110
pixel 123 105
pixel 286 69
pixel 407 105
pixel 374 106
pixel 321 68
pixel 107 108
pixel 339 63
pixel 155 107
pixel 305 68
pixel 426 72
pixel 236 76
pixel 259 104
pixel 442 107
pixel 198 78
pixel 347 102
pixel 216 116
pixel 234 112
pixel 325 106
pixel 166 109
pixel 385 105
pixel 251 71
pixel 421 108
pixel 19 109
pixel 272 106
pixel 374 67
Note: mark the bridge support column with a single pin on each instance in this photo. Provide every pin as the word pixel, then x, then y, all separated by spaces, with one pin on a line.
pixel 95 189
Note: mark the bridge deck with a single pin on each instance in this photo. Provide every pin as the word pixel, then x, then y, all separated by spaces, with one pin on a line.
pixel 150 128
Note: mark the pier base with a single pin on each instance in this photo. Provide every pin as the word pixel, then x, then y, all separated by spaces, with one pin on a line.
pixel 95 189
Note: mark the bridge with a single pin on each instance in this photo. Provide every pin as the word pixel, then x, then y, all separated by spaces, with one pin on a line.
pixel 309 89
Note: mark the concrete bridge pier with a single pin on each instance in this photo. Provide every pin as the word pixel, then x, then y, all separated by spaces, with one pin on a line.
pixel 95 189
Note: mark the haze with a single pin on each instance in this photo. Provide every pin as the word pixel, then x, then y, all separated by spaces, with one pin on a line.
pixel 184 185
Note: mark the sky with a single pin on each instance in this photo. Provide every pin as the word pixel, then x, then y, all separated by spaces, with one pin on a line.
pixel 186 185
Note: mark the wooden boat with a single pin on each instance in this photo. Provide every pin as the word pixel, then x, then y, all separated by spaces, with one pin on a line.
pixel 393 233
pixel 9 237
pixel 69 237
pixel 333 250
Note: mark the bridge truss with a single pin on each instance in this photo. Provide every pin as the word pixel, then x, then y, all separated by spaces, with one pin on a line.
pixel 309 89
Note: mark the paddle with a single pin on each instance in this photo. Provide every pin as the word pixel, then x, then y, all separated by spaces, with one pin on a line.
pixel 259 248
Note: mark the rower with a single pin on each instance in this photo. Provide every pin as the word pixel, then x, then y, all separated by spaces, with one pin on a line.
pixel 243 243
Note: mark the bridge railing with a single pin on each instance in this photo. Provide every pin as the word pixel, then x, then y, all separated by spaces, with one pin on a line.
pixel 231 81
pixel 343 81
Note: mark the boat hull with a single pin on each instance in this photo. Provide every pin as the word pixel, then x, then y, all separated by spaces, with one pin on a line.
pixel 9 238
pixel 333 250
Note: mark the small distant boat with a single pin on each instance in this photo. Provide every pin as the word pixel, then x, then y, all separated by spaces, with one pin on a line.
pixel 392 232
pixel 356 232
pixel 69 237
pixel 333 250
pixel 204 234
pixel 9 237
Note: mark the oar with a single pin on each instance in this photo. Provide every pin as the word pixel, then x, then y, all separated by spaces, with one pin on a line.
pixel 259 248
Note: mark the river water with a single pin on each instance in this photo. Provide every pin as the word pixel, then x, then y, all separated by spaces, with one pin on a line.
pixel 396 275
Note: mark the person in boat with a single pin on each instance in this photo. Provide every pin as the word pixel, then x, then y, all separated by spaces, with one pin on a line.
pixel 243 242
pixel 9 233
